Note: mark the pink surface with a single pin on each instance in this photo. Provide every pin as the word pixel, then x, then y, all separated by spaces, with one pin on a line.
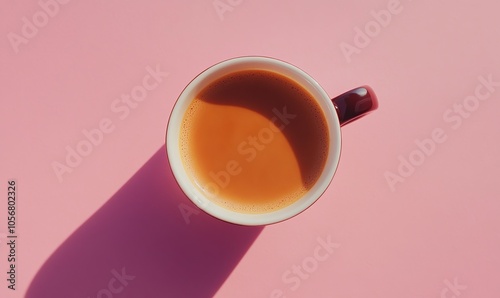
pixel 385 227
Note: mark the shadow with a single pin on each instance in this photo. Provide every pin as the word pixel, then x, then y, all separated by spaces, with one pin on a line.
pixel 274 97
pixel 148 240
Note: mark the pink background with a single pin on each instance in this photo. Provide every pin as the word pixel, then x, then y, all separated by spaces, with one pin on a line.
pixel 116 211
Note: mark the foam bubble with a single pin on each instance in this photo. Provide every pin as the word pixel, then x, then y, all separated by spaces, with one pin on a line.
pixel 271 206
pixel 184 135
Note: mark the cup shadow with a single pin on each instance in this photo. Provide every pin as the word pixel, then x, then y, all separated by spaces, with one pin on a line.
pixel 147 240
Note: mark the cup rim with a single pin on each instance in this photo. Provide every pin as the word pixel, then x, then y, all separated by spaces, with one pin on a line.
pixel 227 66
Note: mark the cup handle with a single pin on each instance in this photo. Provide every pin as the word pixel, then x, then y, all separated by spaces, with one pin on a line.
pixel 355 104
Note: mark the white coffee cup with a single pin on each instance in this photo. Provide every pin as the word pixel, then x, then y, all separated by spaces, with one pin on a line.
pixel 339 111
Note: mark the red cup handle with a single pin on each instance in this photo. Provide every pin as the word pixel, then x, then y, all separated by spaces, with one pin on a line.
pixel 355 104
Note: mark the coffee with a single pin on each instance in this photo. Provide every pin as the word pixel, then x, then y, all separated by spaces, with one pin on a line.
pixel 254 141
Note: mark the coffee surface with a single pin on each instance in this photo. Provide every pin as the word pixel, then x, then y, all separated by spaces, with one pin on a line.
pixel 254 141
